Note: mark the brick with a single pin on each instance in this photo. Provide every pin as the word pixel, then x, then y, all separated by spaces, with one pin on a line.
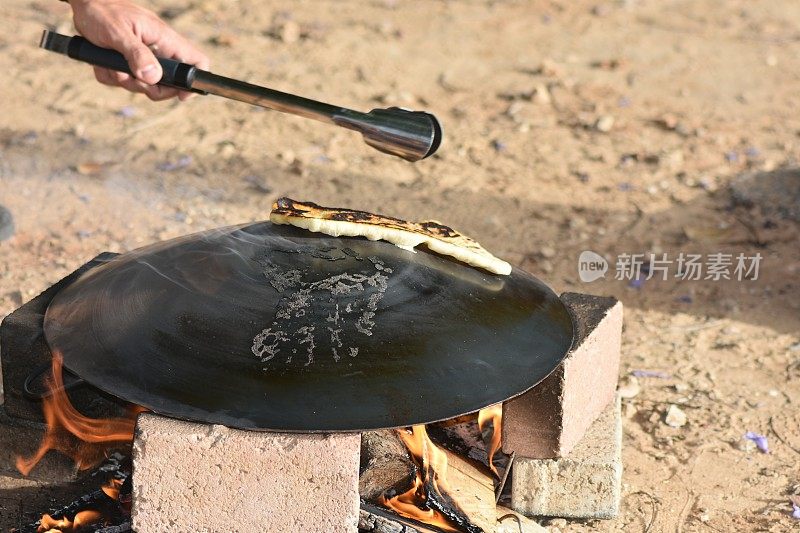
pixel 199 477
pixel 549 420
pixel 586 484
pixel 23 349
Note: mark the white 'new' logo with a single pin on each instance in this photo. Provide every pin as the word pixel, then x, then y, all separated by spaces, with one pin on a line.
pixel 591 266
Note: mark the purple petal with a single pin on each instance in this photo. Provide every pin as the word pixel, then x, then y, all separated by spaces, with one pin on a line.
pixel 650 374
pixel 760 440
pixel 795 511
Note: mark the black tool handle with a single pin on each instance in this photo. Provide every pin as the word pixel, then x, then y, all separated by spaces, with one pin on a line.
pixel 176 74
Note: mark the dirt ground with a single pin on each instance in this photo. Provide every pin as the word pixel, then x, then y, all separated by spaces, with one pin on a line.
pixel 611 126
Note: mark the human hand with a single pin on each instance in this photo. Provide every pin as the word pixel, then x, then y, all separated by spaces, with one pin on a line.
pixel 136 33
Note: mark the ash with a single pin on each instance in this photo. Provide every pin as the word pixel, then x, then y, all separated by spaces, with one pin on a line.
pixel 349 299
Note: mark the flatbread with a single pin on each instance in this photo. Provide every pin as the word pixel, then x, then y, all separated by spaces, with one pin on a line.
pixel 435 235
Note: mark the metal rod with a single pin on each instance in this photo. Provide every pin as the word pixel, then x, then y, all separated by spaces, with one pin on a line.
pixel 270 98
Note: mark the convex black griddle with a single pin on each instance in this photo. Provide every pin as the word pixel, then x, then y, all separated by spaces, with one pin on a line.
pixel 269 327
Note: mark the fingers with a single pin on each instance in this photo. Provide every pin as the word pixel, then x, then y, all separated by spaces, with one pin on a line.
pixel 120 79
pixel 141 60
pixel 130 29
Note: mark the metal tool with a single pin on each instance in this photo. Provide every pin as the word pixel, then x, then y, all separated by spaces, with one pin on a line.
pixel 412 135
pixel 271 327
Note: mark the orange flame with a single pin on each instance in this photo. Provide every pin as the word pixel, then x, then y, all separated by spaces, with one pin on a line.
pixel 111 489
pixel 433 469
pixel 495 414
pixel 83 518
pixel 65 423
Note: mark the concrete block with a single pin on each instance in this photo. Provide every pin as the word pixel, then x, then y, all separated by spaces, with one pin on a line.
pixel 199 477
pixel 586 484
pixel 23 349
pixel 549 420
pixel 18 440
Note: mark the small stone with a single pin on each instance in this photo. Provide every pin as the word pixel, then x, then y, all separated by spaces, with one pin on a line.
pixel 604 123
pixel 675 417
pixel 541 95
pixel 673 159
pixel 290 32
pixel 771 61
pixel 557 522
pixel 746 445
pixel 551 68
pixel 668 121
pixel 629 388
pixel 226 149
pixel 547 252
pixel 680 387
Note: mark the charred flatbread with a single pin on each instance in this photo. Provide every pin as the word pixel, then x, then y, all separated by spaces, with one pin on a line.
pixel 435 235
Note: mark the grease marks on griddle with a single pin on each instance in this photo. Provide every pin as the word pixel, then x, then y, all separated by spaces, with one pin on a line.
pixel 345 303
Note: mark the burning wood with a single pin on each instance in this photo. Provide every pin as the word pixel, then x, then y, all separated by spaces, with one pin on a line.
pixel 493 414
pixel 48 523
pixel 386 466
pixel 85 440
pixel 447 492
pixel 95 511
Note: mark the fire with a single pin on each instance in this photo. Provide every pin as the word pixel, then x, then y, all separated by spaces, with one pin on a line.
pixel 493 413
pixel 64 525
pixel 83 439
pixel 111 489
pixel 49 524
pixel 431 474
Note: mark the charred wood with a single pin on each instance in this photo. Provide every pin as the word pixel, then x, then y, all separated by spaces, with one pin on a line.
pixel 372 523
pixel 114 516
pixel 374 519
pixel 386 466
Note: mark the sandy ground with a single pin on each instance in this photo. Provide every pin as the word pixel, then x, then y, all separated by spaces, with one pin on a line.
pixel 616 127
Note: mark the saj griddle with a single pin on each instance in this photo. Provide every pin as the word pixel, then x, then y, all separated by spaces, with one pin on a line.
pixel 269 327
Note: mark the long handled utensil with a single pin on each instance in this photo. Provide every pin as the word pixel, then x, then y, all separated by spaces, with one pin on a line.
pixel 412 135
